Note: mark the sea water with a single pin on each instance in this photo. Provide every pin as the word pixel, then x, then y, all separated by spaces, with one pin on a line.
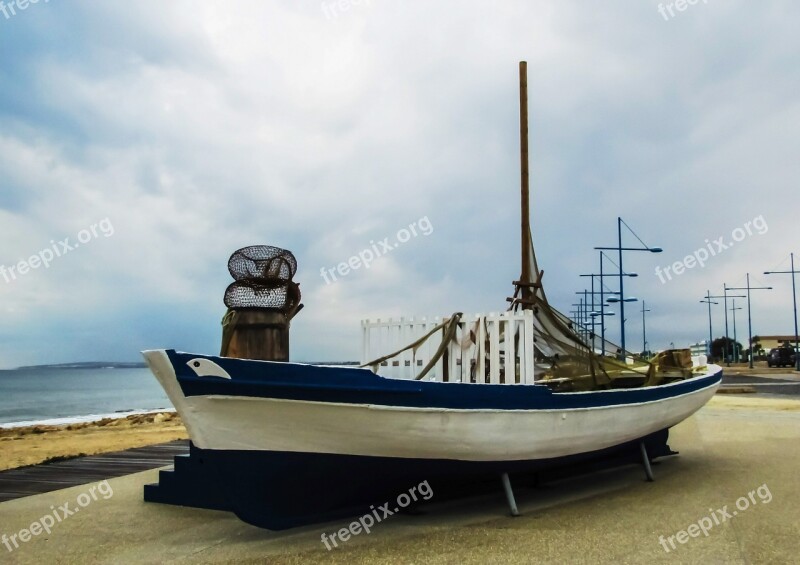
pixel 64 395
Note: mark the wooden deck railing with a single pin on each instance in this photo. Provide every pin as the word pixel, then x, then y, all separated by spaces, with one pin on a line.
pixel 481 352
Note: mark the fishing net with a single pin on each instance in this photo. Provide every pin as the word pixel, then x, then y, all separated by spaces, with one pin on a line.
pixel 573 357
pixel 263 279
pixel 262 262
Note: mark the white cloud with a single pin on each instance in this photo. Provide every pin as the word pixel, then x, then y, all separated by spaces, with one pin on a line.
pixel 200 127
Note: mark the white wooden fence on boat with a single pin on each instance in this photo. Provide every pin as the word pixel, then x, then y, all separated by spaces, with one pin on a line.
pixel 480 352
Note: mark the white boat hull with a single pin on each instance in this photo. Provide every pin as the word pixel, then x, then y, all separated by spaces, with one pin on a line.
pixel 223 422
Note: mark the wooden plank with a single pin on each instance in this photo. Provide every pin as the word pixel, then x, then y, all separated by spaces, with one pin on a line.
pixel 439 368
pixel 494 348
pixel 365 329
pixel 522 347
pixel 481 338
pixel 511 354
pixel 466 359
pixel 455 357
pixel 38 479
pixel 529 350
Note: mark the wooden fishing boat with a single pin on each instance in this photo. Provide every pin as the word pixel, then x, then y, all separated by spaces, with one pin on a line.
pixel 284 444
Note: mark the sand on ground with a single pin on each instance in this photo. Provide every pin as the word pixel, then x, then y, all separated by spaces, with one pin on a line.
pixel 36 444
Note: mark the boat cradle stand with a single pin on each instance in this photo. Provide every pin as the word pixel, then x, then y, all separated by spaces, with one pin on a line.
pixel 512 502
pixel 648 470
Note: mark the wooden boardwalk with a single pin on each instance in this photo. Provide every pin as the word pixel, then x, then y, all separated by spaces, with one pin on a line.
pixel 37 479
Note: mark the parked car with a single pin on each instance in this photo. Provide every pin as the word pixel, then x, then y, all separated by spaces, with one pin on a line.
pixel 781 357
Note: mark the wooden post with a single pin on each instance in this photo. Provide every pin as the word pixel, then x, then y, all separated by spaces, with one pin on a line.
pixel 525 226
pixel 257 333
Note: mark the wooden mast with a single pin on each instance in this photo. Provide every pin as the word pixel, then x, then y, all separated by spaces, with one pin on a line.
pixel 526 280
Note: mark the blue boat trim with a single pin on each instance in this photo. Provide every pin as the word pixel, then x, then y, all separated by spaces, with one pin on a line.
pixel 350 385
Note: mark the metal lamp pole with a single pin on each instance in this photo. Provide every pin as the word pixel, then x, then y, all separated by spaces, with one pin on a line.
pixel 748 288
pixel 603 316
pixel 620 249
pixel 794 298
pixel 644 329
pixel 621 292
pixel 735 343
pixel 585 305
pixel 710 331
pixel 578 313
pixel 726 296
pixel 602 294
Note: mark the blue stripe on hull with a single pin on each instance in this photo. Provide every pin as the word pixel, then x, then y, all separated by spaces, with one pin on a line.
pixel 280 490
pixel 265 379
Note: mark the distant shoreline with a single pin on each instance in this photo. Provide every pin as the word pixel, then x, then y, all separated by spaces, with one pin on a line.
pixel 139 365
pixel 85 419
pixel 84 365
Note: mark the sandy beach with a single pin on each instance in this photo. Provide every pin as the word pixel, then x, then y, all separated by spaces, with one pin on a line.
pixel 37 444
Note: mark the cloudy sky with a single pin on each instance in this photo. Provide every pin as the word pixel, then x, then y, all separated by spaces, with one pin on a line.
pixel 184 130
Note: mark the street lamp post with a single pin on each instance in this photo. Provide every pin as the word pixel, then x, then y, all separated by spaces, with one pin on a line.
pixel 602 292
pixel 620 249
pixel 602 318
pixel 621 300
pixel 586 313
pixel 644 329
pixel 710 331
pixel 725 296
pixel 794 299
pixel 748 288
pixel 735 343
pixel 591 312
pixel 578 313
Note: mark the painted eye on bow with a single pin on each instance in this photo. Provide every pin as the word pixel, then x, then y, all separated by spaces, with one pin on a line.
pixel 207 368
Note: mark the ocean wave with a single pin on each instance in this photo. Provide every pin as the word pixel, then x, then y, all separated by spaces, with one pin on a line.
pixel 81 419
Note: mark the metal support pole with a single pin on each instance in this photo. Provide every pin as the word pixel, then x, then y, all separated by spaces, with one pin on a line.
pixel 749 325
pixel 794 300
pixel 725 295
pixel 644 328
pixel 727 339
pixel 602 310
pixel 586 311
pixel 512 503
pixel 796 336
pixel 621 292
pixel 710 331
pixel 648 470
pixel 590 313
pixel 735 343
